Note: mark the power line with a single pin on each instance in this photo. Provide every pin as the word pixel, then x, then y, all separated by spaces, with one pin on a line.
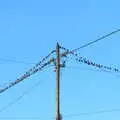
pixel 85 45
pixel 21 96
pixel 91 63
pixel 94 70
pixel 100 70
pixel 38 67
pixel 21 118
pixel 100 66
pixel 70 115
pixel 26 75
pixel 21 61
pixel 92 113
pixel 97 40
pixel 15 61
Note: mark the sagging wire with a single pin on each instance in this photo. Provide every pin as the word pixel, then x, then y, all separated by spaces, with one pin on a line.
pixel 38 67
pixel 20 97
pixel 91 113
pixel 44 59
pixel 91 63
pixel 67 116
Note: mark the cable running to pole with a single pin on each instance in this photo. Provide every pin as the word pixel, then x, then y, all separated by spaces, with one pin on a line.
pixel 97 40
pixel 28 73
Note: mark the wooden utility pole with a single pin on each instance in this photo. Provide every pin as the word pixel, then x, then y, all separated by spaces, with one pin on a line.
pixel 58 116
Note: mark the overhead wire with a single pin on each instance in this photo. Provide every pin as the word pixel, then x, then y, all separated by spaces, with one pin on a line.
pixel 38 67
pixel 20 118
pixel 100 66
pixel 94 41
pixel 15 61
pixel 33 87
pixel 80 59
pixel 66 116
pixel 94 70
pixel 83 46
pixel 91 113
pixel 20 97
pixel 24 62
pixel 27 74
pixel 91 63
pixel 67 51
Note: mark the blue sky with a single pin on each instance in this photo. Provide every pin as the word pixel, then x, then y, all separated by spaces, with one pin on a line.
pixel 29 29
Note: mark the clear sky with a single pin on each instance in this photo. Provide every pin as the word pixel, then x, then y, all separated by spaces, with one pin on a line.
pixel 29 30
